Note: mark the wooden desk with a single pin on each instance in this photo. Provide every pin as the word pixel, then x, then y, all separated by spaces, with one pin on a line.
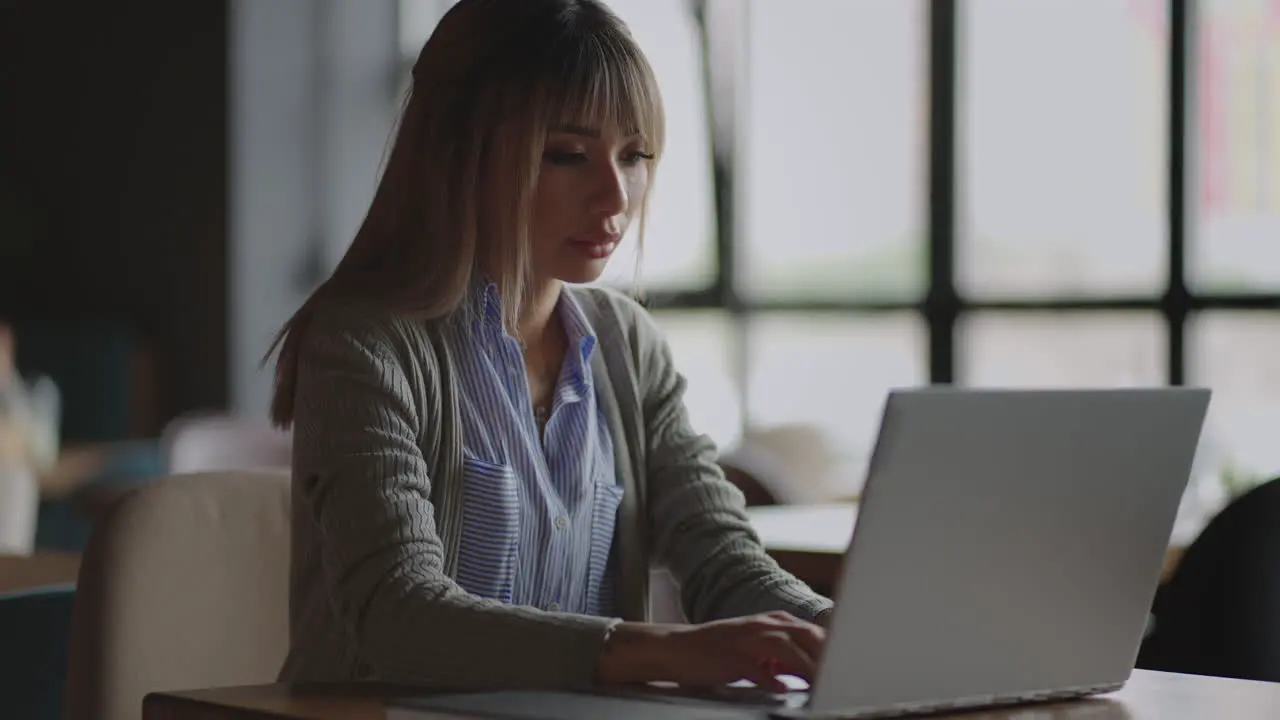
pixel 1148 696
pixel 809 540
pixel 23 572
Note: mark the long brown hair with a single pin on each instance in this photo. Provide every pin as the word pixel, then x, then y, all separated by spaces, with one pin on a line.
pixel 457 190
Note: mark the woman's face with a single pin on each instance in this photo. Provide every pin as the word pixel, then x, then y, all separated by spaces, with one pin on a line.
pixel 591 185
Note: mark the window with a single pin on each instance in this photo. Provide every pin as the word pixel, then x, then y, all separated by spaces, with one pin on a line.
pixel 1063 350
pixel 831 371
pixel 417 19
pixel 830 183
pixel 1236 246
pixel 703 346
pixel 1234 354
pixel 833 149
pixel 1063 150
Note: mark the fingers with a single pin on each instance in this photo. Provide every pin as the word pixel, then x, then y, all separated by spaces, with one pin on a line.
pixel 764 673
pixel 757 648
pixel 787 656
pixel 811 638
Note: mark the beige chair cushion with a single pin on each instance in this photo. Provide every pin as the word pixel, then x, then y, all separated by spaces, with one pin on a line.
pixel 184 585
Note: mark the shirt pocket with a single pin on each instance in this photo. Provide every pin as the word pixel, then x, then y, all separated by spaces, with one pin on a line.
pixel 604 516
pixel 490 538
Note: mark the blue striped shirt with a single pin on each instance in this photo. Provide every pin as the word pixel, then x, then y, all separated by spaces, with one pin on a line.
pixel 538 513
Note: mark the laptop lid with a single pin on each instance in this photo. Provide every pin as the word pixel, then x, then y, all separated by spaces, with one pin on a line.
pixel 1009 542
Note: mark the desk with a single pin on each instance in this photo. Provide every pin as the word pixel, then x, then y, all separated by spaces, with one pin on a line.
pixel 809 540
pixel 23 572
pixel 1148 696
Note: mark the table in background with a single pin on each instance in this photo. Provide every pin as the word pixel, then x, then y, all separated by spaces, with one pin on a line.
pixel 24 572
pixel 1148 696
pixel 809 540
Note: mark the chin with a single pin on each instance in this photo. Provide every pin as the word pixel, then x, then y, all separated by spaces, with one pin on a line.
pixel 581 273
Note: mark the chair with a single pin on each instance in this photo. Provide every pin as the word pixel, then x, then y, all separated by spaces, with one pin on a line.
pixel 1220 612
pixel 197 443
pixel 184 584
pixel 35 626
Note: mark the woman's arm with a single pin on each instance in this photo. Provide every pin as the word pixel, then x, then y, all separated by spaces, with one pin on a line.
pixel 363 479
pixel 700 526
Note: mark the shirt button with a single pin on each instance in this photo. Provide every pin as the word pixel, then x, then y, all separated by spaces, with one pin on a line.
pixel 554 607
pixel 562 523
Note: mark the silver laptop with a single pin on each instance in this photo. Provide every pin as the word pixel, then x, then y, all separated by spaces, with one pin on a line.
pixel 1007 550
pixel 1008 547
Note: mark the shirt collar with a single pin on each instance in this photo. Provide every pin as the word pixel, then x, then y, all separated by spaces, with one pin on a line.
pixel 581 336
pixel 486 302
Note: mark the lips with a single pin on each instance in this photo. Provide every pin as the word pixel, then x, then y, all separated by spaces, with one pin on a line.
pixel 598 244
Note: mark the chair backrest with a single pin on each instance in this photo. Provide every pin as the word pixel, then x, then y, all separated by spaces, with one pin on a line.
pixel 1220 612
pixel 184 584
pixel 197 443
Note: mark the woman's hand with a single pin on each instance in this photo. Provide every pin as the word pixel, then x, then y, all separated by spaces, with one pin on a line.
pixel 756 648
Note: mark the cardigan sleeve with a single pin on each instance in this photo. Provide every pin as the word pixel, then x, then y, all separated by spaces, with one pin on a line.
pixel 700 527
pixel 362 478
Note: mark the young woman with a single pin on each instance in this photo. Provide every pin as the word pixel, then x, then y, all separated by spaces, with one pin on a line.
pixel 487 459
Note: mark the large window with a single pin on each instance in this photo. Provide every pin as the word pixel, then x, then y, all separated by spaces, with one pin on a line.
pixel 1062 152
pixel 831 151
pixel 1235 246
pixel 865 194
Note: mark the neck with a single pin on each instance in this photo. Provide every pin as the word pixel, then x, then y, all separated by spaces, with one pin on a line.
pixel 536 315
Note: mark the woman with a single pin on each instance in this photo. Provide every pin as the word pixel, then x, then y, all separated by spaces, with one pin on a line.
pixel 487 460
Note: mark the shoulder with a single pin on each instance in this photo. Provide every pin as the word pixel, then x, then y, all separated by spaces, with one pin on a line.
pixel 359 361
pixel 373 333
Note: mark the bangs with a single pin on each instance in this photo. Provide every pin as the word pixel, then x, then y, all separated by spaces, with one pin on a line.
pixel 601 78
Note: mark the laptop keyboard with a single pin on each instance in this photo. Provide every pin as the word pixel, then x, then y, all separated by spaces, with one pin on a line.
pixel 759 697
pixel 737 694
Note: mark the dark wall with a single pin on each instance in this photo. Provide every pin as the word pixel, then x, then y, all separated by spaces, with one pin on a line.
pixel 114 149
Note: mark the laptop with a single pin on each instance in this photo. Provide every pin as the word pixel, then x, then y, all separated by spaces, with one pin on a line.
pixel 1008 547
pixel 1007 550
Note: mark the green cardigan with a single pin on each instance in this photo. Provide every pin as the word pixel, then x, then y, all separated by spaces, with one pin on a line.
pixel 377 511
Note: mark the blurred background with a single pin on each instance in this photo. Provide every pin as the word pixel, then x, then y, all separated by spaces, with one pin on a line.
pixel 857 195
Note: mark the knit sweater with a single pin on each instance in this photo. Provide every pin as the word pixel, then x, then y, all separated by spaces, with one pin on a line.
pixel 378 507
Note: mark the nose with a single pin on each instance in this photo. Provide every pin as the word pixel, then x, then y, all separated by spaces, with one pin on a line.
pixel 609 194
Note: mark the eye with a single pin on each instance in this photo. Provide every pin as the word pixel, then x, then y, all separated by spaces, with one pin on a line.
pixel 635 156
pixel 561 157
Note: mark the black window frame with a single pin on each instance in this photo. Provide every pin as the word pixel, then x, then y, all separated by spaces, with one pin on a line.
pixel 942 306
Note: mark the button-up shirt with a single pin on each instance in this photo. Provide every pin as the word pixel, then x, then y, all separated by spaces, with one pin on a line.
pixel 538 509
